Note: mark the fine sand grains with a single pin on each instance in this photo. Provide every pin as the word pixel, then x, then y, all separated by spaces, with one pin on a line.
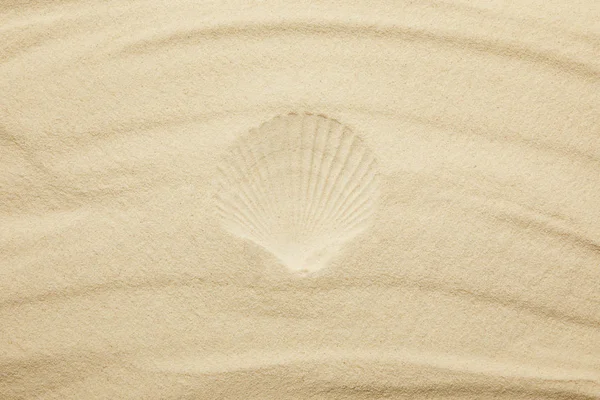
pixel 299 200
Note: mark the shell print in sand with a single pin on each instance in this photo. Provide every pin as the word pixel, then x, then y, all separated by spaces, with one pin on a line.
pixel 300 186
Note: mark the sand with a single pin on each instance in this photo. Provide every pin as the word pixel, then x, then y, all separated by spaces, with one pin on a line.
pixel 476 272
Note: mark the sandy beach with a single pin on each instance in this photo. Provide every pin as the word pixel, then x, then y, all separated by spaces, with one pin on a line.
pixel 299 200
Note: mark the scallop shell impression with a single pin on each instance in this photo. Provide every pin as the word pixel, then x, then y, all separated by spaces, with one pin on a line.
pixel 300 186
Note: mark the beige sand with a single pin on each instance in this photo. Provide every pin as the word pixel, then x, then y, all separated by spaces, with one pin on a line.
pixel 478 278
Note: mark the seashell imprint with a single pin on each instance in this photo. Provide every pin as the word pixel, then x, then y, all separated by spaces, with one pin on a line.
pixel 300 186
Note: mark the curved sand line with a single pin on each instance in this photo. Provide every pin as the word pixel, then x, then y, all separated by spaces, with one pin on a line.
pixel 266 29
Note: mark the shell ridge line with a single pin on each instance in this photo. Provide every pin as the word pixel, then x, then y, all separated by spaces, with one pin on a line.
pixel 304 176
pixel 316 125
pixel 357 191
pixel 257 185
pixel 350 208
pixel 282 132
pixel 304 168
pixel 261 148
pixel 326 208
pixel 361 209
pixel 352 182
pixel 362 213
pixel 346 181
pixel 279 177
pixel 221 179
pixel 358 226
pixel 358 210
pixel 243 194
pixel 233 202
pixel 329 158
pixel 352 211
pixel 240 217
pixel 241 214
pixel 245 184
pixel 327 181
pixel 369 186
pixel 300 165
pixel 316 168
pixel 262 190
pixel 284 183
pixel 262 225
pixel 299 199
pixel 310 194
pixel 247 232
pixel 293 125
pixel 267 155
pixel 320 178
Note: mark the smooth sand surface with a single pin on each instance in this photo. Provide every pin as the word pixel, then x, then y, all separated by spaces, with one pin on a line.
pixel 476 277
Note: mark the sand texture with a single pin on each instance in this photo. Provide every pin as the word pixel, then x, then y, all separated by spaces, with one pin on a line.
pixel 299 200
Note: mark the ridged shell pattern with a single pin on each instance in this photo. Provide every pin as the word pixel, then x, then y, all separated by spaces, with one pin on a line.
pixel 300 186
